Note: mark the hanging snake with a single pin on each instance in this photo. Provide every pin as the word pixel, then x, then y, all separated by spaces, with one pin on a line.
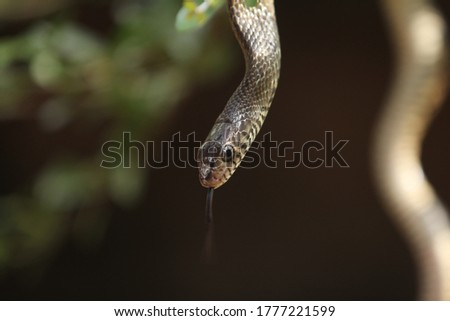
pixel 255 28
pixel 418 35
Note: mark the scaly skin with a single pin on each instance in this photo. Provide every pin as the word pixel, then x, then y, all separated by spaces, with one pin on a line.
pixel 237 126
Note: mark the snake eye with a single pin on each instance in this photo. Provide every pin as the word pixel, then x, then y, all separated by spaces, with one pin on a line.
pixel 228 151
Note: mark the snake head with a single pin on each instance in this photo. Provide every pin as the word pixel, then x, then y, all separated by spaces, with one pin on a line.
pixel 216 163
pixel 220 154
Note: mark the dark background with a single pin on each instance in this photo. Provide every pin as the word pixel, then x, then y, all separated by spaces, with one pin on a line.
pixel 281 234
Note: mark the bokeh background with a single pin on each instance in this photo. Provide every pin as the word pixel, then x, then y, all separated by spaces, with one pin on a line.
pixel 75 74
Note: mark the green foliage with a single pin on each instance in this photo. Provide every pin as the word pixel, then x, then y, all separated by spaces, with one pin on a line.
pixel 127 80
pixel 67 185
pixel 195 13
pixel 252 3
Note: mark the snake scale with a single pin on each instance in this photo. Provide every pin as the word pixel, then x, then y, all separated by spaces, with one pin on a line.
pixel 418 35
pixel 255 28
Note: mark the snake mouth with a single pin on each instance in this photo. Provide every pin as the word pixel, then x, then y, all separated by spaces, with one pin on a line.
pixel 210 180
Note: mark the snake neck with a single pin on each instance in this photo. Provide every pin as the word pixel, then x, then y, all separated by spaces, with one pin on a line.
pixel 256 30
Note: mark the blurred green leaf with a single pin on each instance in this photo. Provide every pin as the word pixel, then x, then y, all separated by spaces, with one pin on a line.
pixel 46 69
pixel 252 3
pixel 75 44
pixel 195 13
pixel 65 186
pixel 126 185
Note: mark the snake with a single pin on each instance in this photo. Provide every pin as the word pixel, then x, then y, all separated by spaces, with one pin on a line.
pixel 417 91
pixel 231 136
pixel 420 81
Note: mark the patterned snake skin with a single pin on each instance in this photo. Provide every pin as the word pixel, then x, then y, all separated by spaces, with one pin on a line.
pixel 236 127
pixel 418 35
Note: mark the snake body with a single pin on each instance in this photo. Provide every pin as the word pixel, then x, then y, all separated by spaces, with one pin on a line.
pixel 420 82
pixel 418 34
pixel 235 129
